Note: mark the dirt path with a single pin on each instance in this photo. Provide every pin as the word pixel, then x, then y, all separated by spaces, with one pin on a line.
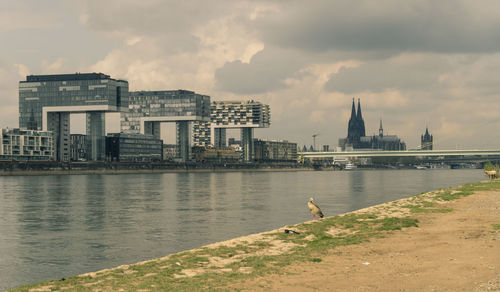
pixel 456 251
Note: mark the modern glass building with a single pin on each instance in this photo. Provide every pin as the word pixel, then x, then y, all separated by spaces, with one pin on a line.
pixel 26 144
pixel 148 109
pixel 133 147
pixel 244 115
pixel 276 151
pixel 46 101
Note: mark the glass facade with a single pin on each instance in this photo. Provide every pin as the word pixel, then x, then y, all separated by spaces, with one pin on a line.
pixel 56 96
pixel 283 151
pixel 133 148
pixel 173 104
pixel 147 109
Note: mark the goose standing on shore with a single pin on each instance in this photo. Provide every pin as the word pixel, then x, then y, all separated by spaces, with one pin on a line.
pixel 315 210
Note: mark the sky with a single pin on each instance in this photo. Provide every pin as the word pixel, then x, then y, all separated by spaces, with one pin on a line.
pixel 413 64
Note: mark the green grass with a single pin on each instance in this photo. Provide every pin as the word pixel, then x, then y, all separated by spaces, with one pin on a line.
pixel 242 261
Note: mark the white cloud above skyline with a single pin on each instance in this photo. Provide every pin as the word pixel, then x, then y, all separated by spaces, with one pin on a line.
pixel 412 63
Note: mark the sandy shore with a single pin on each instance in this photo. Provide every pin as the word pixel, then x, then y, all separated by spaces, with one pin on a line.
pixel 455 247
pixel 456 251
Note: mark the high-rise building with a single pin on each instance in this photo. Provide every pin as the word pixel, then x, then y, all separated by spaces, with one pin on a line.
pixel 243 115
pixel 426 140
pixel 148 109
pixel 46 102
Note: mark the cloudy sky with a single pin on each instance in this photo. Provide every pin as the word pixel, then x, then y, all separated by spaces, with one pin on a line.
pixel 412 63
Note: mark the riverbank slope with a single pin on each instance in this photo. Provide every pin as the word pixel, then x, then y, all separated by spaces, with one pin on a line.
pixel 445 240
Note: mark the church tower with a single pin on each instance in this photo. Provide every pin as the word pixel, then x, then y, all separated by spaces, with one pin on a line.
pixel 361 122
pixel 381 130
pixel 426 140
pixel 356 126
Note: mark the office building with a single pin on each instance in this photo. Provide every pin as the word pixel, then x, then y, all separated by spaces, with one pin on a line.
pixel 26 144
pixel 46 102
pixel 243 115
pixel 78 147
pixel 275 151
pixel 148 109
pixel 123 147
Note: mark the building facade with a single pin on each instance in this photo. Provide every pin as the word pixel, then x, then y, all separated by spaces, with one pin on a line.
pixel 123 147
pixel 46 102
pixel 78 147
pixel 275 151
pixel 148 109
pixel 426 140
pixel 243 115
pixel 357 139
pixel 26 144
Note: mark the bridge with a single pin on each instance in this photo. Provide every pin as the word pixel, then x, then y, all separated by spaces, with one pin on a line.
pixel 405 153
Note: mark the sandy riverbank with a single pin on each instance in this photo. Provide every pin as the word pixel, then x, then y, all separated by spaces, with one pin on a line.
pixel 445 240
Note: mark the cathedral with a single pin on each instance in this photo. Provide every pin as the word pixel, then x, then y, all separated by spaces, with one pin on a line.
pixel 426 140
pixel 357 139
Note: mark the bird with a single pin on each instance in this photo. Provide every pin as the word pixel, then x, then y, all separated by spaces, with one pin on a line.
pixel 315 210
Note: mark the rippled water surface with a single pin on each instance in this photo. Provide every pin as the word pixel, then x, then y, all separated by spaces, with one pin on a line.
pixel 57 226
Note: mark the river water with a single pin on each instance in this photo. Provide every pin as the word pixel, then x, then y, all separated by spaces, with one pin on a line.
pixel 58 226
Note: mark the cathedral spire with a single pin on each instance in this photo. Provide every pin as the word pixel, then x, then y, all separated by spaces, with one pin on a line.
pixel 353 110
pixel 353 122
pixel 381 129
pixel 361 122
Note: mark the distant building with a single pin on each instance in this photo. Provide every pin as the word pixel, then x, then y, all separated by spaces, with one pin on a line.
pixel 357 139
pixel 148 109
pixel 426 140
pixel 243 115
pixel 26 144
pixel 169 151
pixel 46 102
pixel 78 149
pixel 275 151
pixel 216 154
pixel 133 148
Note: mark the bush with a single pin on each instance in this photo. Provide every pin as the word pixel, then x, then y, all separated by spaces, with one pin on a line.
pixel 490 166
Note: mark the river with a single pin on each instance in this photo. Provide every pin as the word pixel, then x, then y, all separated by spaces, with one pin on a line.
pixel 58 226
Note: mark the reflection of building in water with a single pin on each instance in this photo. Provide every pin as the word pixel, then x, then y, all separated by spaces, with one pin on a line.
pixel 357 139
pixel 26 144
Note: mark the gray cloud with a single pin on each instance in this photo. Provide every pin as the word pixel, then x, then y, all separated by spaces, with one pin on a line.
pixel 266 71
pixel 408 72
pixel 387 25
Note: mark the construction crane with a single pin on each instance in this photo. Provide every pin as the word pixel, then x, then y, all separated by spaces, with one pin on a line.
pixel 314 141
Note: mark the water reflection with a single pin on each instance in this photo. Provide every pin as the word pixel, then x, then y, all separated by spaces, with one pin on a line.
pixel 58 226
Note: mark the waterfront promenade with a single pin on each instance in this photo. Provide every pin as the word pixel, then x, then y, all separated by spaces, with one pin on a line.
pixel 443 240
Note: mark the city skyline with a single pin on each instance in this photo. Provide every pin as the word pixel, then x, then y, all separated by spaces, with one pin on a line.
pixel 413 64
